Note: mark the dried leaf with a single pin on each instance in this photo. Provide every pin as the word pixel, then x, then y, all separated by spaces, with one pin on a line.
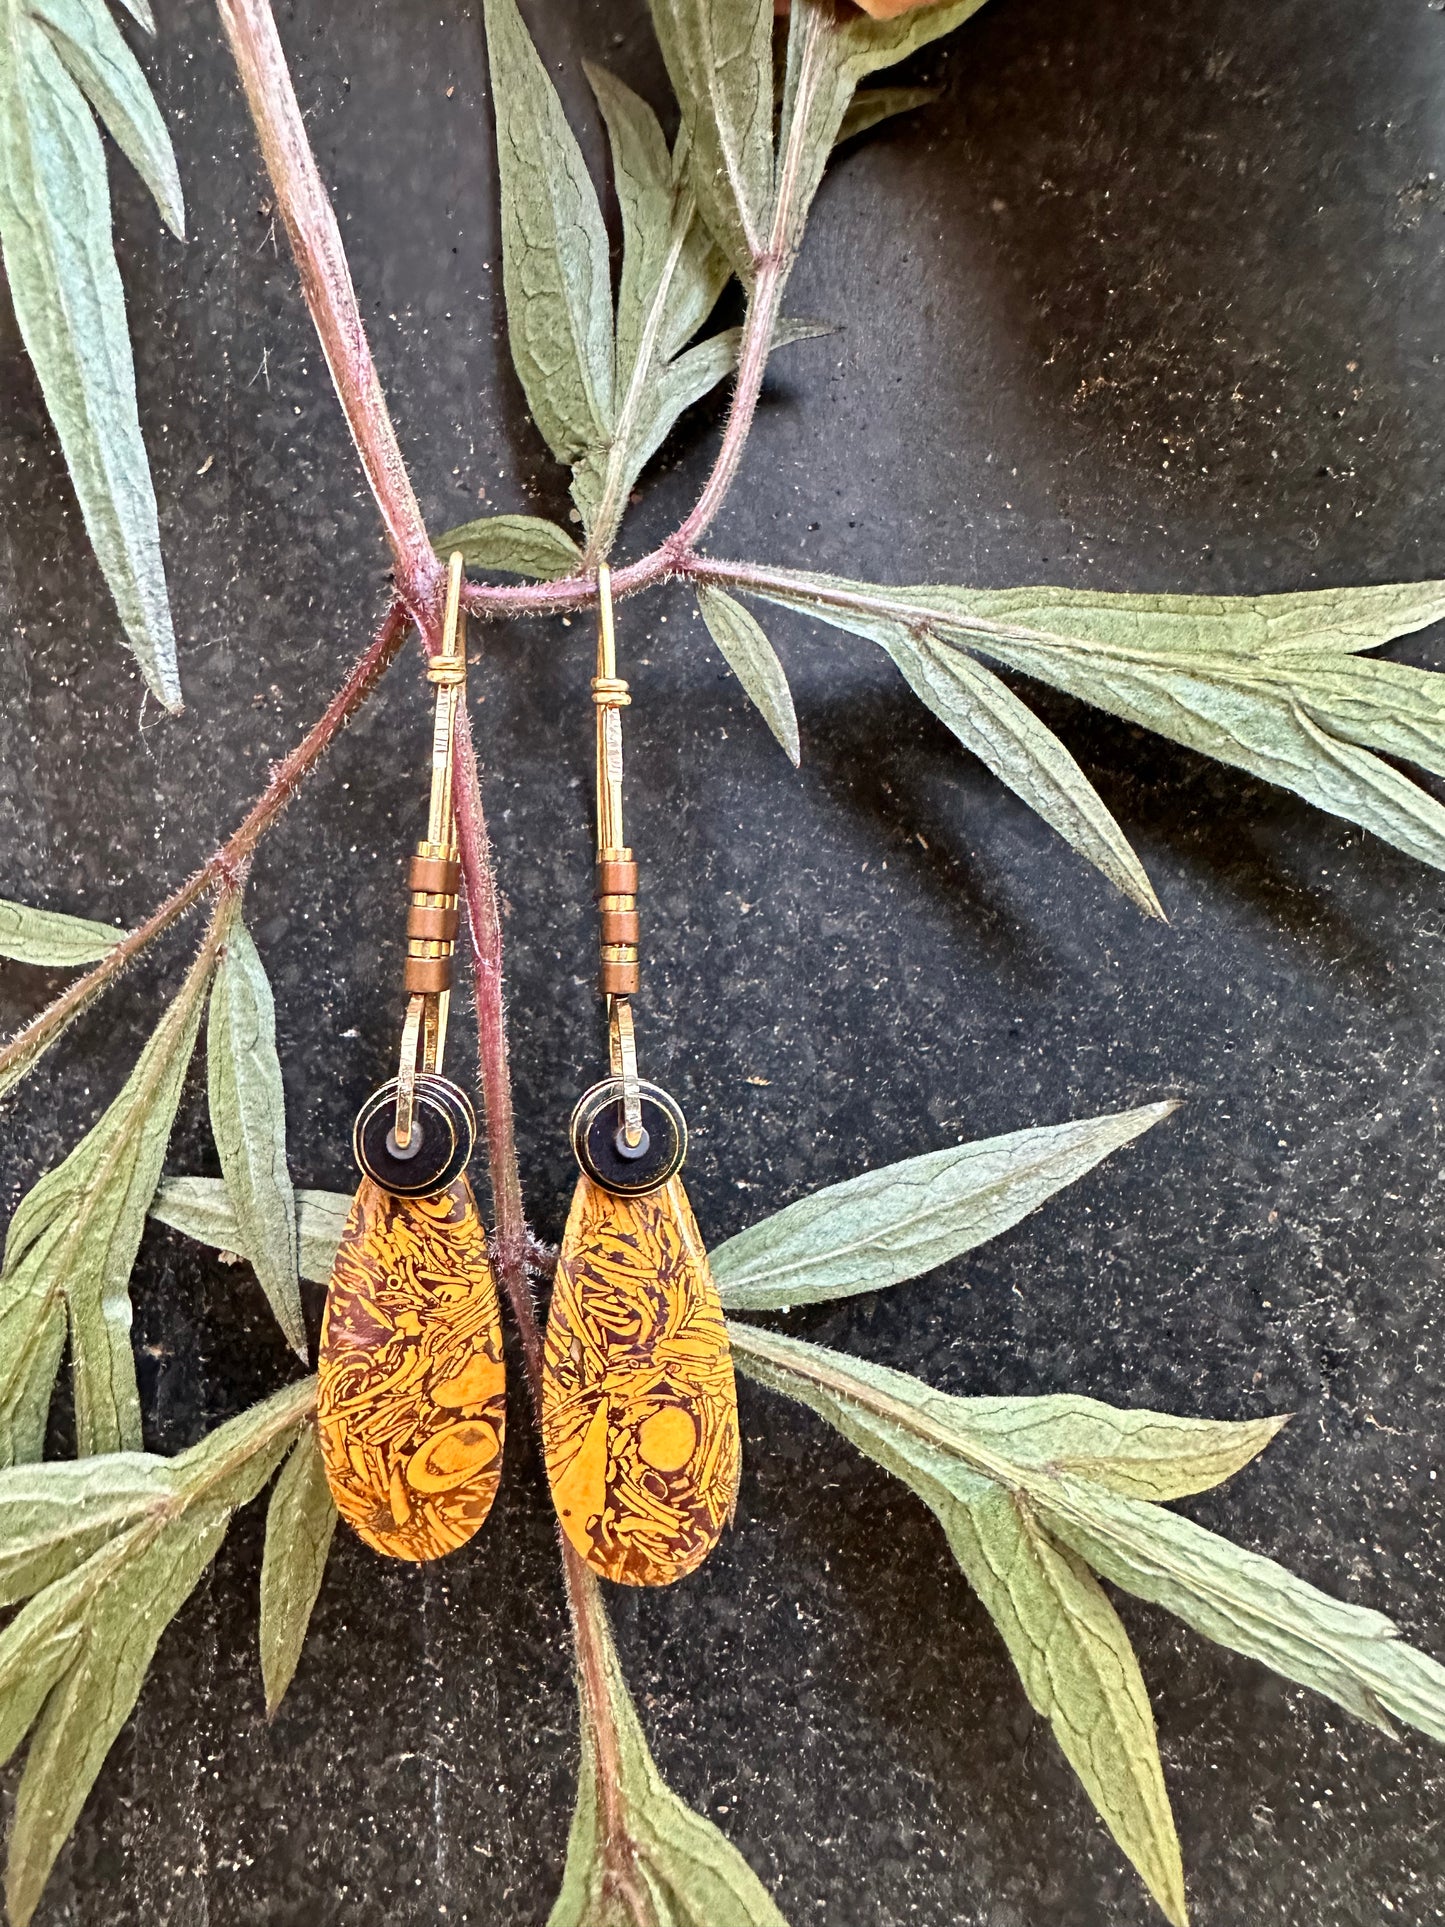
pixel 754 661
pixel 876 104
pixel 1233 681
pixel 72 1243
pixel 299 1523
pixel 55 231
pixel 53 1516
pixel 555 268
pixel 201 1208
pixel 72 1661
pixel 987 718
pixel 46 937
pixel 1250 1604
pixel 686 1867
pixel 248 1121
pixel 719 56
pixel 895 1223
pixel 514 545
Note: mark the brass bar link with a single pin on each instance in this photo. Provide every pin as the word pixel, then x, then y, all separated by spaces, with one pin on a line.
pixel 406 1071
pixel 623 1051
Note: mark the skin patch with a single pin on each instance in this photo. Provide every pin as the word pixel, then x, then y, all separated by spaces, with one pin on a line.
pixel 639 1409
pixel 411 1390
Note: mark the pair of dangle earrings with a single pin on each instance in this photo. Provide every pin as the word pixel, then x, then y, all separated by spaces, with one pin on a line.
pixel 639 1411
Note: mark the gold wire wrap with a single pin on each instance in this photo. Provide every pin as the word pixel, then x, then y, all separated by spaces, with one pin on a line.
pixel 429 959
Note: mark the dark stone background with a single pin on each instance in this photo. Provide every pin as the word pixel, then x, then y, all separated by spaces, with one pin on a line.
pixel 1148 300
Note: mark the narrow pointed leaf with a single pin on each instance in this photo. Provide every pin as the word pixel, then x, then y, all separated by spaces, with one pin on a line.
pixel 754 661
pixel 201 1208
pixel 719 56
pixel 1232 681
pixel 54 1515
pixel 71 1246
pixel 555 267
pixel 877 104
pixel 46 937
pixel 693 1875
pixel 988 718
pixel 248 1121
pixel 73 1660
pixel 299 1523
pixel 55 234
pixel 514 545
pixel 898 1222
pixel 642 175
pixel 93 48
pixel 1238 1599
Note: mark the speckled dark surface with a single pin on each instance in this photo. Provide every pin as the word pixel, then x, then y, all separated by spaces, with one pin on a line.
pixel 1150 299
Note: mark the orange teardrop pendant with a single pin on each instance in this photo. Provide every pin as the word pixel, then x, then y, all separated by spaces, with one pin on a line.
pixel 410 1401
pixel 639 1409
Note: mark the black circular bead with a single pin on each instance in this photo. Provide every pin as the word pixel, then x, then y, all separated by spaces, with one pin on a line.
pixel 602 1149
pixel 443 1131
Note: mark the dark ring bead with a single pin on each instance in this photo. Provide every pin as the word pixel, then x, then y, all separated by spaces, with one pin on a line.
pixel 444 1130
pixel 599 1147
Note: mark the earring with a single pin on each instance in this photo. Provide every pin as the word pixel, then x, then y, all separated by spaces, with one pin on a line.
pixel 639 1408
pixel 411 1400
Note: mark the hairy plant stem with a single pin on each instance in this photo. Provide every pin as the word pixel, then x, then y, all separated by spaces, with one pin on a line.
pixel 233 855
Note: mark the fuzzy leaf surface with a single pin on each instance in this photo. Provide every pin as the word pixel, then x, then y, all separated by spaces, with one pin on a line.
pixel 201 1208
pixel 248 1122
pixel 754 661
pixel 873 105
pixel 691 1873
pixel 1241 682
pixel 59 259
pixel 895 1223
pixel 719 56
pixel 71 1247
pixel 555 269
pixel 1005 734
pixel 48 938
pixel 299 1523
pixel 514 545
pixel 73 1660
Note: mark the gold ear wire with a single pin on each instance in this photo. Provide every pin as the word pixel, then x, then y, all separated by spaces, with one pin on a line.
pixel 432 918
pixel 616 870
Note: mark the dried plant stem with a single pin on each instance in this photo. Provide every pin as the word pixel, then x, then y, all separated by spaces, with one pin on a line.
pixel 233 854
pixel 326 282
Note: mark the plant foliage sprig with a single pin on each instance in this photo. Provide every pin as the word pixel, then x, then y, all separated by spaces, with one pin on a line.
pixel 1040 1498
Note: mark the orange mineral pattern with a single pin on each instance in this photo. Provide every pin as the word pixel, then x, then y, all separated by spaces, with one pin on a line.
pixel 410 1401
pixel 639 1410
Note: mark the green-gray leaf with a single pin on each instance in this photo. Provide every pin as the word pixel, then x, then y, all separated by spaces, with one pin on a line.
pixel 1244 683
pixel 514 545
pixel 1005 734
pixel 299 1523
pixel 877 104
pixel 72 1661
pixel 719 56
pixel 71 1246
pixel 895 1223
pixel 201 1208
pixel 1350 1653
pixel 46 937
pixel 555 267
pixel 55 233
pixel 692 1874
pixel 754 661
pixel 248 1122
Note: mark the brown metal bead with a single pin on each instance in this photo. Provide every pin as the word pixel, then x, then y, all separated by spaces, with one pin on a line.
pixel 426 921
pixel 438 876
pixel 616 877
pixel 427 975
pixel 616 979
pixel 620 926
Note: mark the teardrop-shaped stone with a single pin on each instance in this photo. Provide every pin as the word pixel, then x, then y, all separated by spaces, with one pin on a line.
pixel 639 1409
pixel 411 1396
